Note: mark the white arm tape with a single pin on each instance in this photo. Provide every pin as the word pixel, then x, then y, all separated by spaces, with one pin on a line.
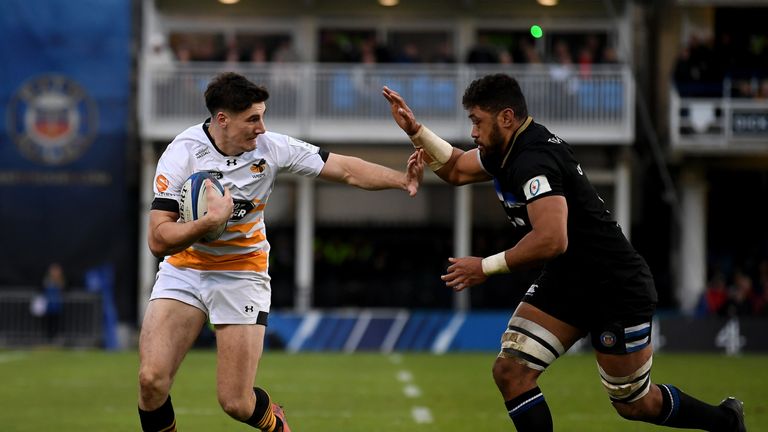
pixel 495 264
pixel 437 148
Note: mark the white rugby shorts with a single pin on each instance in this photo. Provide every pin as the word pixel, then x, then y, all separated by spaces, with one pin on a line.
pixel 226 297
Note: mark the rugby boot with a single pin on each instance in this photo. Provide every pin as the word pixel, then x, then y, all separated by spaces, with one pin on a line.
pixel 279 413
pixel 737 406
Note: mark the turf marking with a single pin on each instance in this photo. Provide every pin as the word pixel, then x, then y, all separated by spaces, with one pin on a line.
pixel 421 415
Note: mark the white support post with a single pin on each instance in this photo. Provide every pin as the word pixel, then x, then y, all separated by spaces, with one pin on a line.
pixel 623 194
pixel 305 233
pixel 462 237
pixel 147 261
pixel 692 265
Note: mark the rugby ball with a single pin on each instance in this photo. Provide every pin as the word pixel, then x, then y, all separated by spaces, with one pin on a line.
pixel 193 203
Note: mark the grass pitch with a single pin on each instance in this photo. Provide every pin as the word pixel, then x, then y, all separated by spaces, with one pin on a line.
pixel 67 391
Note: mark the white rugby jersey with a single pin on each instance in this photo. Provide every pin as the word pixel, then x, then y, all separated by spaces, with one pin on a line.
pixel 250 178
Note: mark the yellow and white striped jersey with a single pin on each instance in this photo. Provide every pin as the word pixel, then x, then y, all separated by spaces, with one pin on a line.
pixel 250 177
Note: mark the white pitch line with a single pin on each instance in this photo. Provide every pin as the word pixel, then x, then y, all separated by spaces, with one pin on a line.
pixel 404 376
pixel 412 391
pixel 421 415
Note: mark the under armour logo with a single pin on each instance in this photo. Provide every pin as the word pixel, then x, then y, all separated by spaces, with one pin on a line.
pixel 249 308
pixel 231 162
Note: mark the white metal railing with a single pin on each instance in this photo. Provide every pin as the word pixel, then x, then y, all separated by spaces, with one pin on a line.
pixel 723 124
pixel 343 102
pixel 77 325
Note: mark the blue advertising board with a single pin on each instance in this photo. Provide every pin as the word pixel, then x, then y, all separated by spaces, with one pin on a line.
pixel 66 154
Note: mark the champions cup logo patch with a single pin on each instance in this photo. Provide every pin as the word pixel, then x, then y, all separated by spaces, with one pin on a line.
pixel 52 120
pixel 536 186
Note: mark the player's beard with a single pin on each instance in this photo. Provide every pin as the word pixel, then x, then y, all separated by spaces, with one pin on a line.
pixel 495 144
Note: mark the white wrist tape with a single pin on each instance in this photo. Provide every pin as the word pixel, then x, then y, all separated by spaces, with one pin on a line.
pixel 495 264
pixel 437 148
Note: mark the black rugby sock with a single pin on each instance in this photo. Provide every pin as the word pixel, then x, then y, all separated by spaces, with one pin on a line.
pixel 160 420
pixel 530 412
pixel 680 410
pixel 263 418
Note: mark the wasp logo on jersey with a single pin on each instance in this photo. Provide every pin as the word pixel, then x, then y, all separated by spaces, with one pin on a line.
pixel 258 168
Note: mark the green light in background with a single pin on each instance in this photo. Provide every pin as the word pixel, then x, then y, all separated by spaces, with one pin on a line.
pixel 536 31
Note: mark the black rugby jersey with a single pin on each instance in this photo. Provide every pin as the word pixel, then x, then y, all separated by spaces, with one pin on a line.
pixel 540 164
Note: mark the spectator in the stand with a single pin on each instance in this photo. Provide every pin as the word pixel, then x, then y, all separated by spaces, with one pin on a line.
pixel 285 53
pixel 483 52
pixel 505 57
pixel 159 53
pixel 183 54
pixel 741 295
pixel 444 54
pixel 258 53
pixel 610 56
pixel 409 54
pixel 368 51
pixel 586 60
pixel 715 297
pixel 562 68
pixel 529 52
pixel 54 283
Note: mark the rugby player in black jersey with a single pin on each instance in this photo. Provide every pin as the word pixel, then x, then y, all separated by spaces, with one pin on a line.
pixel 593 281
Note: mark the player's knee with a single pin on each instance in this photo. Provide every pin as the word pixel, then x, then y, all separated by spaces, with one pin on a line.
pixel 153 383
pixel 511 375
pixel 639 410
pixel 631 395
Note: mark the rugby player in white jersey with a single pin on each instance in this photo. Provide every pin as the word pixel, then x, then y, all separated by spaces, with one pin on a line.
pixel 226 280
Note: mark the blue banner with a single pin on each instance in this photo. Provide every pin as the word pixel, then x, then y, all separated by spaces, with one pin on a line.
pixel 67 160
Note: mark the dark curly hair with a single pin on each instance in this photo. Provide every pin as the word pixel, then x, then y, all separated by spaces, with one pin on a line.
pixel 494 93
pixel 233 92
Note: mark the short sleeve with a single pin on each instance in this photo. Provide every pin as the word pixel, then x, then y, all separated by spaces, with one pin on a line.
pixel 537 175
pixel 299 157
pixel 172 171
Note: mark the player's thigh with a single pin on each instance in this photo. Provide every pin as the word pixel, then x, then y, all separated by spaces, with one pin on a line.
pixel 169 329
pixel 565 333
pixel 532 341
pixel 239 348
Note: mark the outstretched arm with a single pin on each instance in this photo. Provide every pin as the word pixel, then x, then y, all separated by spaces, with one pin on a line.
pixel 453 165
pixel 370 176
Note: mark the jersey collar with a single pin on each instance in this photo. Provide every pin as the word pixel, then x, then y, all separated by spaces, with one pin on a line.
pixel 206 124
pixel 520 130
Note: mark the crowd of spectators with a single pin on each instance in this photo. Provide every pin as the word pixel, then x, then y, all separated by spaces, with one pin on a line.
pixel 739 292
pixel 361 46
pixel 714 67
